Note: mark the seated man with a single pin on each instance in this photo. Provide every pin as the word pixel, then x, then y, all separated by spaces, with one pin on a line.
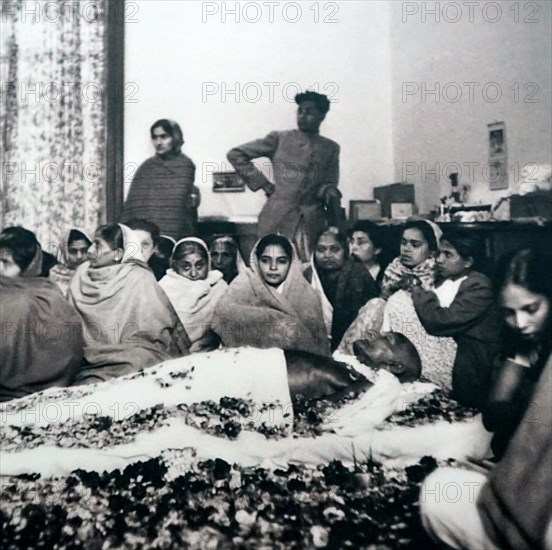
pixel 317 377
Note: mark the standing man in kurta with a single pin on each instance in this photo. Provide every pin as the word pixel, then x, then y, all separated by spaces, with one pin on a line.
pixel 304 198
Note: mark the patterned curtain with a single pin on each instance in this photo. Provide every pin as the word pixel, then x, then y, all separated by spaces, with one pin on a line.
pixel 53 116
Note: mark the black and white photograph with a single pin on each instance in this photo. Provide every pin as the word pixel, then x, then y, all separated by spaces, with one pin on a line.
pixel 276 274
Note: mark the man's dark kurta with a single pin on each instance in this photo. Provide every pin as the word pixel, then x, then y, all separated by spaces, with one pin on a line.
pixel 304 167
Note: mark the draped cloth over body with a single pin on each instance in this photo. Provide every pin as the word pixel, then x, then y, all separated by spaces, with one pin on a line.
pixel 194 301
pixel 161 193
pixel 128 320
pixel 41 343
pixel 251 313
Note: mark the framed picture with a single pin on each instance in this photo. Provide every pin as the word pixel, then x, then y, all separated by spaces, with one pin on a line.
pixel 364 210
pixel 227 182
pixel 497 173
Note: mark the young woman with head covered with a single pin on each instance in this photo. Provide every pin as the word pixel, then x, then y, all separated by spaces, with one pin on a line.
pixel 163 191
pixel 342 282
pixel 129 323
pixel 73 253
pixel 271 304
pixel 194 291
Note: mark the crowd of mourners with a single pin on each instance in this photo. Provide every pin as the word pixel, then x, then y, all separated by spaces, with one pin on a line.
pixel 128 297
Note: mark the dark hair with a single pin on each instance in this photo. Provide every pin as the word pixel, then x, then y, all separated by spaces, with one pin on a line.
pixel 321 101
pixel 22 244
pixel 165 246
pixel 144 225
pixel 338 235
pixel 370 228
pixel 112 234
pixel 426 230
pixel 76 235
pixel 188 247
pixel 273 239
pixel 468 246
pixel 173 129
pixel 526 268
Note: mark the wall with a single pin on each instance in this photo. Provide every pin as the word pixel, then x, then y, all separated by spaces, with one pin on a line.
pixel 468 47
pixel 172 58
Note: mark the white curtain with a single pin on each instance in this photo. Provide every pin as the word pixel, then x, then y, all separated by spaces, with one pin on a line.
pixel 53 117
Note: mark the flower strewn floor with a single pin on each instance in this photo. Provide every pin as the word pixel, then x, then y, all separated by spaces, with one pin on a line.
pixel 173 502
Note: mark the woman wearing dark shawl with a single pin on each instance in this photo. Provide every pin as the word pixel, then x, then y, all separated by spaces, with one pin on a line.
pixel 272 304
pixel 41 343
pixel 343 284
pixel 163 190
pixel 128 320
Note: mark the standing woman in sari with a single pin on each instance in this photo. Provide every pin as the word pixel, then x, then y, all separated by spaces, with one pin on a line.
pixel 129 323
pixel 163 190
pixel 272 304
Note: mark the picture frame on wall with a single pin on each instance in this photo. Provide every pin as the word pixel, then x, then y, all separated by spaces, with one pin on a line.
pixel 228 182
pixel 497 173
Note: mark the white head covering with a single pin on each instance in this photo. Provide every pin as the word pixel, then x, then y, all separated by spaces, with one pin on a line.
pixel 132 246
pixel 240 263
pixel 196 240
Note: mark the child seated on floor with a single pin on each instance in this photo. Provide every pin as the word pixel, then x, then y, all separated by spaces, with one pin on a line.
pixel 463 307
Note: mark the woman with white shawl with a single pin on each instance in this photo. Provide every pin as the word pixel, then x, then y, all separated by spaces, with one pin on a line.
pixel 194 291
pixel 129 323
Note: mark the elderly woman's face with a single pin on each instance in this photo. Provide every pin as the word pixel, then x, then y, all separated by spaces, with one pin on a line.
pixel 329 254
pixel 192 266
pixel 162 142
pixel 223 257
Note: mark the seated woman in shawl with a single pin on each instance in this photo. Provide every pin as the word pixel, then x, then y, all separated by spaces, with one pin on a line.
pixel 394 310
pixel 194 292
pixel 272 304
pixel 226 257
pixel 20 253
pixel 163 191
pixel 73 254
pixel 129 323
pixel 42 344
pixel 342 283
